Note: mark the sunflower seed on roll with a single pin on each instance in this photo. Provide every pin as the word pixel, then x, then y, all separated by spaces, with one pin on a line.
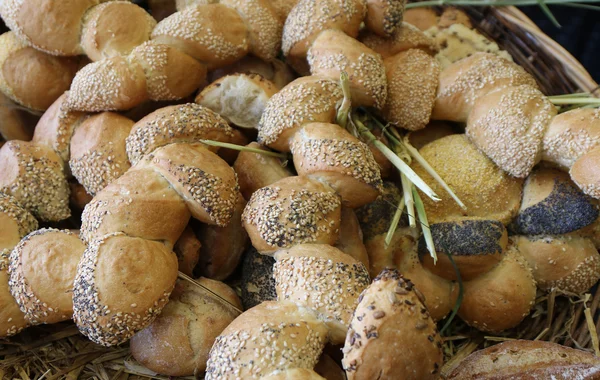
pixel 392 335
pixel 42 269
pixel 258 284
pixel 121 286
pixel 405 37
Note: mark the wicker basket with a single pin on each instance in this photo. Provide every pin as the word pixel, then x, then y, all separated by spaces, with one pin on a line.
pixel 60 352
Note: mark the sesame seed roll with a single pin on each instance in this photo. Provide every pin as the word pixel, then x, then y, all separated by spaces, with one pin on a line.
pixel 406 36
pixel 384 16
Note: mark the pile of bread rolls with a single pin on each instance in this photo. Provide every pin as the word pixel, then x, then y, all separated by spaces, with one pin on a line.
pixel 301 214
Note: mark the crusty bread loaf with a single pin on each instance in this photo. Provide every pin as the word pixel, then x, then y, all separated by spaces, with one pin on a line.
pixel 97 150
pixel 291 211
pixel 330 154
pixel 334 52
pixel 275 70
pixel 42 269
pixel 30 77
pixel 188 249
pixel 177 343
pixel 392 335
pixel 309 99
pixel 384 17
pixel 122 284
pixel 258 284
pixel 350 239
pixel 526 359
pixel 405 37
pixel 584 173
pixel 412 80
pixel 284 334
pixel 324 279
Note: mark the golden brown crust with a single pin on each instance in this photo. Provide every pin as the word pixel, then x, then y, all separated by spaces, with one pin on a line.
pixel 330 154
pixel 42 269
pixel 422 18
pixel 469 79
pixel 188 249
pixel 30 77
pixel 275 71
pixel 405 37
pixel 288 336
pixel 334 52
pixel 528 359
pixel 78 198
pixel 585 173
pixel 178 342
pixel 213 34
pixel 274 219
pixel 392 335
pixel 122 284
pixel 412 78
pixel 384 16
pixel 294 374
pixel 98 154
pixel 283 8
pixel 323 278
pixel 452 16
pixel 350 239
pixel 17 124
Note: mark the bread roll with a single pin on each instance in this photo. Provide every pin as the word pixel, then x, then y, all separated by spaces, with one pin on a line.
pixel 42 269
pixel 508 126
pixel 475 246
pixel 350 239
pixel 324 279
pixel 255 170
pixel 30 77
pixel 570 135
pixel 392 335
pixel 308 99
pixel 78 198
pixel 309 18
pixel 334 52
pixel 294 374
pixel 114 28
pixel 451 16
pixel 405 37
pixel 213 34
pixel 552 204
pixel 412 78
pixel 273 336
pixel 584 173
pixel 258 284
pixel 276 71
pixel 487 191
pixel 283 8
pixel 501 298
pixel 16 123
pixel 435 130
pixel 239 98
pixel 568 263
pixel 223 246
pixel 465 81
pixel 180 123
pixel 121 286
pixel 422 18
pixel 188 250
pixel 98 153
pixel 183 4
pixel 239 138
pixel 384 17
pixel 177 343
pixel 135 204
pixel 274 219
pixel 375 218
pixel 528 359
pixel 12 319
pixel 33 174
pixel 330 154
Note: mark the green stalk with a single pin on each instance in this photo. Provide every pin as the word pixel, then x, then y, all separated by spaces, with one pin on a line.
pixel 407 189
pixel 574 100
pixel 394 224
pixel 346 106
pixel 548 13
pixel 425 225
pixel 495 3
pixel 244 148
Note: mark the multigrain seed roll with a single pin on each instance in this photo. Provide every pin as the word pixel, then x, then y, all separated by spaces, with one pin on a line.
pixel 30 77
pixel 287 336
pixel 552 204
pixel 33 174
pixel 375 217
pixel 392 335
pixel 121 286
pixel 309 18
pixel 584 173
pixel 114 28
pixel 258 284
pixel 177 343
pixel 188 249
pixel 223 246
pixel 293 210
pixel 334 52
pixel 255 170
pixel 350 239
pixel 501 298
pixel 239 98
pixel 435 130
pixel 469 79
pixel 405 37
pixel 188 122
pixel 384 17
pixel 412 80
pixel 42 269
pixel 570 135
pixel 475 245
pixel 528 359
pixel 275 70
pixel 324 279
pixel 187 31
pixel 98 154
pixel 508 126
pixel 308 99
pixel 487 191
pixel 330 154
pixel 567 263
